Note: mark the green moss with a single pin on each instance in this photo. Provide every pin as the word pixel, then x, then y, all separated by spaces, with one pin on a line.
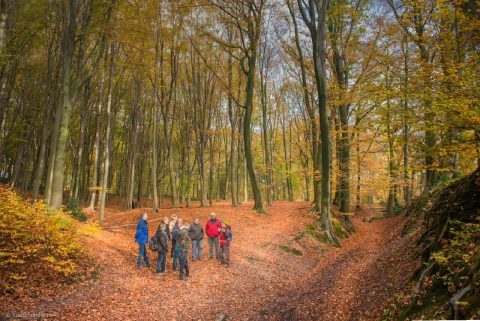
pixel 265 244
pixel 290 250
pixel 253 260
pixel 339 230
pixel 74 211
pixel 299 236
pixel 315 232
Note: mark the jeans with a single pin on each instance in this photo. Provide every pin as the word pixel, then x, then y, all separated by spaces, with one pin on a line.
pixel 142 253
pixel 184 263
pixel 225 254
pixel 211 242
pixel 175 259
pixel 196 249
pixel 161 261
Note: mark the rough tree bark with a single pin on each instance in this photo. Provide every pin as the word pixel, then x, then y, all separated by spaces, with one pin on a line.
pixel 314 15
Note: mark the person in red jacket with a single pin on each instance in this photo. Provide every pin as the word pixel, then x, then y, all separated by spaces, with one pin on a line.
pixel 212 229
pixel 226 236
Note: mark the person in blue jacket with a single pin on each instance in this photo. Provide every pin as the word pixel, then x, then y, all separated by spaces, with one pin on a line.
pixel 141 237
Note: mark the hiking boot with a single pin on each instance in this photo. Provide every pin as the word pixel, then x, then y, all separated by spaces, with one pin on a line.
pixel 159 273
pixel 182 278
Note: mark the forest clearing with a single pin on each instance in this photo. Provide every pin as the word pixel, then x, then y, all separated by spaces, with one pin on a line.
pixel 240 160
pixel 262 284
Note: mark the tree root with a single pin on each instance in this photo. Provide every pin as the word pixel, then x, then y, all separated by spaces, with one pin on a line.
pixel 422 276
pixel 453 302
pixel 327 228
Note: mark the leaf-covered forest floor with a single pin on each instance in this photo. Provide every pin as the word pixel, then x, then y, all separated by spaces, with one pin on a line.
pixel 264 282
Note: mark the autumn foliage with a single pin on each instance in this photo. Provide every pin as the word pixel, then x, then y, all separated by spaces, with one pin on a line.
pixel 35 243
pixel 446 227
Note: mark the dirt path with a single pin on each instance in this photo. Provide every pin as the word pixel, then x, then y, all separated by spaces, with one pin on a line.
pixel 352 282
pixel 263 283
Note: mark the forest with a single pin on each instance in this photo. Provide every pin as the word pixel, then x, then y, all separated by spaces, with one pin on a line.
pixel 340 138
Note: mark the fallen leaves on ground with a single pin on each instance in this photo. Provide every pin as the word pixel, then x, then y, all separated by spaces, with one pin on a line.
pixel 263 282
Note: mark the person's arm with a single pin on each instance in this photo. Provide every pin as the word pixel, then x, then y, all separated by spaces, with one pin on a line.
pixel 137 231
pixel 145 229
pixel 190 231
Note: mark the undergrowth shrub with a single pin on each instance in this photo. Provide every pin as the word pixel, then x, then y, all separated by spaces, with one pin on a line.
pixel 447 283
pixel 34 243
pixel 73 210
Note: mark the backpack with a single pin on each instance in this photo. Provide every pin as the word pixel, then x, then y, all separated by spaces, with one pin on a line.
pixel 153 244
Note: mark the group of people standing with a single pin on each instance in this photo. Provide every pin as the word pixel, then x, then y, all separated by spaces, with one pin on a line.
pixel 181 237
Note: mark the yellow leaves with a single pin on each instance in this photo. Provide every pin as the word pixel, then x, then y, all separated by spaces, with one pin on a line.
pixel 17 277
pixel 89 229
pixel 439 258
pixel 50 259
pixel 33 239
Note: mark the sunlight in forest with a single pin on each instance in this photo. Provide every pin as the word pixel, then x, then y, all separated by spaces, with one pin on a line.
pixel 240 160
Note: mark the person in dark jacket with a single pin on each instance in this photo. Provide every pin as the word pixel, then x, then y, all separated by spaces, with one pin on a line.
pixel 167 227
pixel 165 221
pixel 175 252
pixel 173 227
pixel 196 234
pixel 212 229
pixel 162 239
pixel 183 244
pixel 141 237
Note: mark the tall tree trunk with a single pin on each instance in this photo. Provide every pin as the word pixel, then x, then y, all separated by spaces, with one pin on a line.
pixel 211 172
pixel 173 178
pixel 406 127
pixel 83 125
pixel 96 147
pixel 203 178
pixel 233 122
pixel 154 160
pixel 133 146
pixel 358 187
pixel 343 142
pixel 155 109
pixel 108 140
pixel 247 138
pixel 286 159
pixel 70 26
pixel 39 170
pixel 314 17
pixel 266 153
pixel 391 156
pixel 52 149
pixel 430 137
pixel 315 150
